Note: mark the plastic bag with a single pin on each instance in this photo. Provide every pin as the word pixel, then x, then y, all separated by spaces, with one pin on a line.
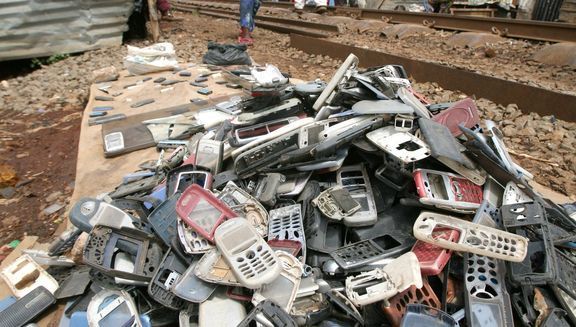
pixel 155 58
pixel 269 77
pixel 226 54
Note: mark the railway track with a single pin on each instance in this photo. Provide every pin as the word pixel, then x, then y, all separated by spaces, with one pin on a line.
pixel 529 98
pixel 523 29
pixel 277 24
pixel 308 37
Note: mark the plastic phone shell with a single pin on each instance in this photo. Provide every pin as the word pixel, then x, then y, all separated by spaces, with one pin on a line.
pixel 24 275
pixel 402 145
pixel 433 258
pixel 447 191
pixel 213 268
pixel 356 180
pixel 253 261
pixel 340 77
pixel 88 212
pixel 336 203
pixel 474 238
pixel 286 224
pixel 394 278
pixel 191 241
pixel 284 288
pixel 191 288
pixel 113 308
pixel 245 206
pixel 201 210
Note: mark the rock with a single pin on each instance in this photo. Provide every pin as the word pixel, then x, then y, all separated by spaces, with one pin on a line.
pixel 509 130
pixel 557 135
pixel 7 192
pixel 53 196
pixel 511 108
pixel 4 85
pixel 489 53
pixel 106 74
pixel 401 31
pixel 8 176
pixel 545 127
pixel 559 54
pixel 522 121
pixel 528 131
pixel 552 146
pixel 473 39
pixel 55 207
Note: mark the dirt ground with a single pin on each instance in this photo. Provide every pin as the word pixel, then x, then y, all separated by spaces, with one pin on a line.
pixel 40 114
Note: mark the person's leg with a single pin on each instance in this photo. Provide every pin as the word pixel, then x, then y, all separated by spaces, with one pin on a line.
pixel 247 13
pixel 255 12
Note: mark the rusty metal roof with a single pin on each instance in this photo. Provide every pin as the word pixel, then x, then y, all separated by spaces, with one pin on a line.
pixel 37 28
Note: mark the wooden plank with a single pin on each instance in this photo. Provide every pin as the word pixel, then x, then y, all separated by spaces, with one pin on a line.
pixel 92 165
pixel 153 21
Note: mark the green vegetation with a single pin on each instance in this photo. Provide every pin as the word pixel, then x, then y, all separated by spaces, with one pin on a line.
pixel 38 62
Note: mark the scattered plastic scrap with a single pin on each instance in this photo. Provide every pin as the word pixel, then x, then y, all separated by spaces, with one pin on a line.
pixel 352 202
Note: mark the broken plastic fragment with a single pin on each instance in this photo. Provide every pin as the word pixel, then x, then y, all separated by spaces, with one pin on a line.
pixel 379 107
pixel 340 77
pixel 283 289
pixel 250 257
pixel 286 224
pixel 24 275
pixel 212 268
pixel 201 210
pixel 356 180
pixel 473 238
pixel 113 308
pixel 404 146
pixel 394 278
pixel 336 203
pixel 245 206
pixel 447 191
pixel 88 212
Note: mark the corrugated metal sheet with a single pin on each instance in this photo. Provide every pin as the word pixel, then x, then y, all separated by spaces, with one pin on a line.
pixel 36 28
pixel 547 10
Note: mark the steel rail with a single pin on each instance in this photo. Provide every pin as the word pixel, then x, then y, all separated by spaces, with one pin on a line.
pixel 281 25
pixel 528 98
pixel 515 28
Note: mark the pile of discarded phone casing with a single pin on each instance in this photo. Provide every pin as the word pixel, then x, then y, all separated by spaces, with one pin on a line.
pixel 349 203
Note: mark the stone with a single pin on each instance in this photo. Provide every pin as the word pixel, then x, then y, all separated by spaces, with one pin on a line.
pixel 511 108
pixel 473 39
pixel 509 130
pixel 545 127
pixel 53 196
pixel 7 192
pixel 552 146
pixel 558 135
pixel 106 74
pixel 8 176
pixel 401 31
pixel 559 54
pixel 489 53
pixel 528 131
pixel 55 207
